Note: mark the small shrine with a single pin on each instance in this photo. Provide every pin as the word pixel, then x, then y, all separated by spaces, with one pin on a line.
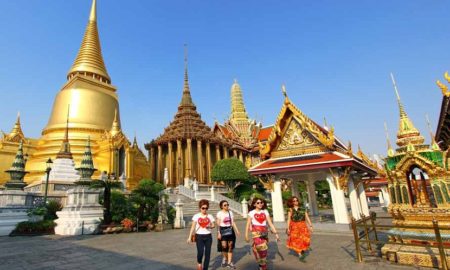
pixel 418 182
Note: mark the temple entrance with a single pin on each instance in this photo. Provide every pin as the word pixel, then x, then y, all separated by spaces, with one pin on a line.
pixel 121 157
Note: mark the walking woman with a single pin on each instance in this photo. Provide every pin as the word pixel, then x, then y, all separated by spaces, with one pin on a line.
pixel 202 223
pixel 226 234
pixel 299 234
pixel 257 221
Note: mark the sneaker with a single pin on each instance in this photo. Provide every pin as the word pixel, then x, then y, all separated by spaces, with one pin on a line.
pixel 231 265
pixel 224 263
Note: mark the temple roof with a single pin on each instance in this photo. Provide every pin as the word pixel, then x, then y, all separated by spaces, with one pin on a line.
pixel 187 123
pixel 443 127
pixel 89 59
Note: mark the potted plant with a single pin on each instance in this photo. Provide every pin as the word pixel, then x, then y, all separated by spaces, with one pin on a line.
pixel 37 214
pixel 127 225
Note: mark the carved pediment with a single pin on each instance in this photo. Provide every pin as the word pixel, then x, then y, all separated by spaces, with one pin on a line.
pixel 297 139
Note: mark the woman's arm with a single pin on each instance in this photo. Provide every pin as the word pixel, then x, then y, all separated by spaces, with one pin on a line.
pixel 272 227
pixel 289 221
pixel 211 223
pixel 308 221
pixel 247 228
pixel 235 227
pixel 191 231
pixel 218 221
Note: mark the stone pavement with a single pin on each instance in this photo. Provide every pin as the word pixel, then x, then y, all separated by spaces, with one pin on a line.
pixel 169 250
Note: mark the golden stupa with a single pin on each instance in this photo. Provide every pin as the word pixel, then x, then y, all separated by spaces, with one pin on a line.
pixel 94 113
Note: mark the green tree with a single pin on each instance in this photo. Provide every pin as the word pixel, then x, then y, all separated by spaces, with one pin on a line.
pixel 121 207
pixel 231 171
pixel 107 184
pixel 146 197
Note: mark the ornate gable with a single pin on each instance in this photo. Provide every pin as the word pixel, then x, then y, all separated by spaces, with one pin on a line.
pixel 297 140
pixel 314 137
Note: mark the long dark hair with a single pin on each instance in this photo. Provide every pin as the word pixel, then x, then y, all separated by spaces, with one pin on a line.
pixel 290 202
pixel 252 205
pixel 221 203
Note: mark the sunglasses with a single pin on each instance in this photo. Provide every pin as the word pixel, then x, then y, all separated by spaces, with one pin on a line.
pixel 204 208
pixel 295 200
pixel 259 203
pixel 225 205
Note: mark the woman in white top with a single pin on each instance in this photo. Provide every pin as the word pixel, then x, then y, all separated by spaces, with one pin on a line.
pixel 226 234
pixel 259 219
pixel 202 223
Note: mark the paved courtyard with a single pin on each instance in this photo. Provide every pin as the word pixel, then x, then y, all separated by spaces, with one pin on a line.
pixel 168 250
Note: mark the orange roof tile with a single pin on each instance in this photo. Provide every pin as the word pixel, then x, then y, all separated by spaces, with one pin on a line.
pixel 264 133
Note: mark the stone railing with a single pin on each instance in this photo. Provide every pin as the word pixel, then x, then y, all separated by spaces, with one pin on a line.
pixel 186 192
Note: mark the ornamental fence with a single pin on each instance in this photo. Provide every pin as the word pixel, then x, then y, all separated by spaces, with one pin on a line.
pixel 370 236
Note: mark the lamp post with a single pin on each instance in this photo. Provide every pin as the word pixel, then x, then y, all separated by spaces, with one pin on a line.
pixel 49 168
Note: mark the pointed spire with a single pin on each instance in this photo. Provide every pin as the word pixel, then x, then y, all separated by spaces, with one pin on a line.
pixel 134 140
pixel 434 145
pixel 238 112
pixel 186 99
pixel 390 150
pixel 64 152
pixel 89 60
pixel 16 130
pixel 86 168
pixel 115 129
pixel 407 132
pixel 17 171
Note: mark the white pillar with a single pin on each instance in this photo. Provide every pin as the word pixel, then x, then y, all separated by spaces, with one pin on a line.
pixel 213 195
pixel 244 208
pixel 339 205
pixel 381 198
pixel 312 198
pixel 353 195
pixel 277 202
pixel 363 200
pixel 179 217
pixel 387 199
pixel 294 188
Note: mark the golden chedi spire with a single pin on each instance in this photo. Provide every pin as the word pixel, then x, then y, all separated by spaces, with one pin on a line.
pixel 186 99
pixel 407 133
pixel 16 133
pixel 238 112
pixel 115 129
pixel 391 152
pixel 434 145
pixel 89 60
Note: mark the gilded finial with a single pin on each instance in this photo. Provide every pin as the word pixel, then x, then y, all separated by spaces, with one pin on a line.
pixel 116 123
pixel 64 151
pixel 93 14
pixel 447 77
pixel 186 99
pixel 443 88
pixel 400 105
pixel 325 124
pixel 390 150
pixel 434 145
pixel 283 90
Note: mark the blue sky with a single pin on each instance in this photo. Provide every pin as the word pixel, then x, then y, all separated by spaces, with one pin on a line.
pixel 334 57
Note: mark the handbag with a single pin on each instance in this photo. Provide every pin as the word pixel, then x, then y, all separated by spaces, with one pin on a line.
pixel 194 235
pixel 227 231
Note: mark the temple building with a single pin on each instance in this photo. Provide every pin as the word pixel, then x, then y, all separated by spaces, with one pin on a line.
pixel 94 113
pixel 188 148
pixel 298 149
pixel 240 130
pixel 418 181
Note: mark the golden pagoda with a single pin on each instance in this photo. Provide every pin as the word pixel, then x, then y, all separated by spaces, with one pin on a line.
pixel 187 148
pixel 94 113
pixel 240 130
pixel 418 182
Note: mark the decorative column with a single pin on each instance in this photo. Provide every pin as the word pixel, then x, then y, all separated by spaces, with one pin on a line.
pixel 387 199
pixel 179 222
pixel 235 153
pixel 225 152
pixel 200 175
pixel 217 152
pixel 339 205
pixel 171 181
pixel 160 165
pixel 363 199
pixel 179 163
pixel 208 161
pixel 294 188
pixel 312 198
pixel 277 201
pixel 241 157
pixel 152 163
pixel 353 195
pixel 244 208
pixel 189 158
